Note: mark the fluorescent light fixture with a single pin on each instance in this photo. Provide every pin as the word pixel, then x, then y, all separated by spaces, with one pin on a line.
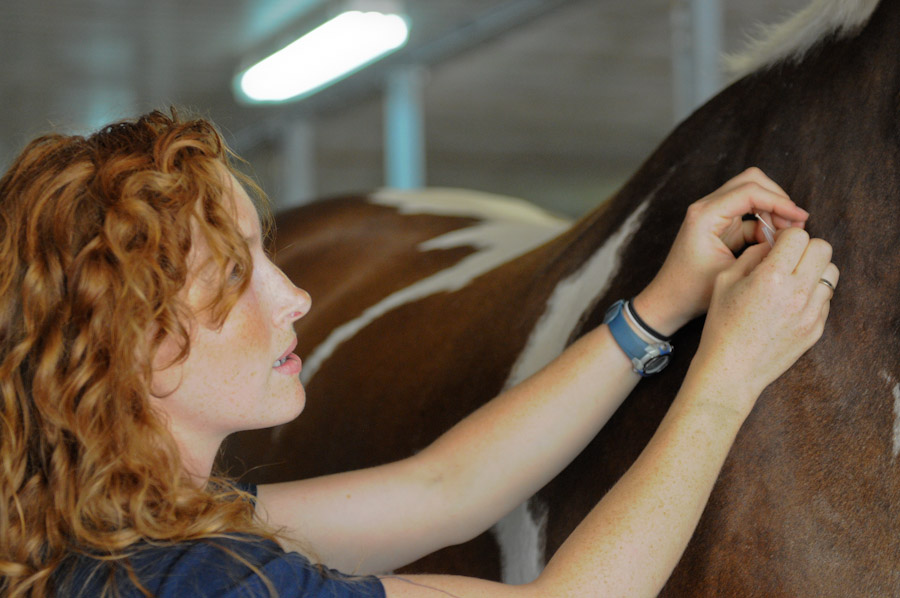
pixel 342 46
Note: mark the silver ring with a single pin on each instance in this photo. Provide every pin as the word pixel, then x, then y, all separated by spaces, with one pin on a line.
pixel 827 283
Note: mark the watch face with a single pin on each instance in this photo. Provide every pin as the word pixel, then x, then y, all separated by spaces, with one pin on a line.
pixel 656 364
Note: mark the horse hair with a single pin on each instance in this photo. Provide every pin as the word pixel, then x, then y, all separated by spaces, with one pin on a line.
pixel 791 39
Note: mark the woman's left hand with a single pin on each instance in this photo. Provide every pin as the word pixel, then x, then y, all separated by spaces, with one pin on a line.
pixel 712 231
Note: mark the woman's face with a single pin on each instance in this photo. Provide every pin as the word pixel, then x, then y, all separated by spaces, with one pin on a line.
pixel 236 377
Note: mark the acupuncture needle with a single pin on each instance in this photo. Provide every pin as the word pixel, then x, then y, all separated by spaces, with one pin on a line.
pixel 768 231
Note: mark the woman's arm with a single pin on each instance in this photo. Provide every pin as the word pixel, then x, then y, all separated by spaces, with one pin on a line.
pixel 382 518
pixel 763 317
pixel 630 542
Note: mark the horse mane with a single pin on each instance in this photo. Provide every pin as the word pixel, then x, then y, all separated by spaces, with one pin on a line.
pixel 791 39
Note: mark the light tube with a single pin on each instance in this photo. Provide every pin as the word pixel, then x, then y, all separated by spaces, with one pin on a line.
pixel 342 46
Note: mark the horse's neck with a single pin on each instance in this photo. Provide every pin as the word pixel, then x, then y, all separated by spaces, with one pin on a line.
pixel 812 126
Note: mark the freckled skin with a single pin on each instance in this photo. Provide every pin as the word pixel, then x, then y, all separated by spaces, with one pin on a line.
pixel 228 383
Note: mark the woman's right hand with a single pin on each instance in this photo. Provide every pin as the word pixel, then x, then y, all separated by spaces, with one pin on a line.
pixel 767 309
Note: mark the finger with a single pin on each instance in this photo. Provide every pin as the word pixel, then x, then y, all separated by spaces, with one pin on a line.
pixel 763 179
pixel 742 233
pixel 789 216
pixel 777 222
pixel 826 285
pixel 751 232
pixel 756 175
pixel 790 245
pixel 780 222
pixel 750 197
pixel 816 257
pixel 832 274
pixel 826 308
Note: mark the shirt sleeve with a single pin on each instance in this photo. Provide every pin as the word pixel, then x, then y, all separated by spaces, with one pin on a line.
pixel 230 568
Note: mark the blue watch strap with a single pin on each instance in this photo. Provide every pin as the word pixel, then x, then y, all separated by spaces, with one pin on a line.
pixel 646 357
pixel 630 342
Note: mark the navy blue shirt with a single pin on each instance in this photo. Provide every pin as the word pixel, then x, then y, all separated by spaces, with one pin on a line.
pixel 208 568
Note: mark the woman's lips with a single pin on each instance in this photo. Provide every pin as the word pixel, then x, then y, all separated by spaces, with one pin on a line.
pixel 289 363
pixel 291 366
pixel 290 350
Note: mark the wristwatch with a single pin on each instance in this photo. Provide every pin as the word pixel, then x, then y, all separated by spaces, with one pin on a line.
pixel 647 357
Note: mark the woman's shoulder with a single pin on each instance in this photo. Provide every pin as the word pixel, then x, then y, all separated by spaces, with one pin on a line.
pixel 228 566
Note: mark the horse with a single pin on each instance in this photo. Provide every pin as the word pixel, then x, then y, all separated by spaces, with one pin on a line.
pixel 427 304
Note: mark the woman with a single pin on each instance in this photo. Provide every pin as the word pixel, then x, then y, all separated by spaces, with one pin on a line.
pixel 141 322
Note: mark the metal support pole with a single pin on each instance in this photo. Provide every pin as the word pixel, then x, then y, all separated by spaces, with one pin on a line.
pixel 706 16
pixel 298 164
pixel 404 129
pixel 6 156
pixel 682 63
pixel 696 52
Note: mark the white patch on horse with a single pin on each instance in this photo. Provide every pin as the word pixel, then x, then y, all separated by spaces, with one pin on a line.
pixel 465 203
pixel 520 535
pixel 896 392
pixel 507 229
pixel 793 38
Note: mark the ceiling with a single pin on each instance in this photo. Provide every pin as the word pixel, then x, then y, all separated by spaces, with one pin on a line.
pixel 555 101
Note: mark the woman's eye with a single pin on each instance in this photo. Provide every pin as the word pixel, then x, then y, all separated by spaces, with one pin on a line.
pixel 236 272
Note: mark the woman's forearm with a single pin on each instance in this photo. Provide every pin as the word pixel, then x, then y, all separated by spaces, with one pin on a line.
pixel 509 448
pixel 631 541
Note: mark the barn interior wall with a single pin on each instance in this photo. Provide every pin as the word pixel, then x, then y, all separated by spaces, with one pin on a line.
pixel 558 111
pixel 603 102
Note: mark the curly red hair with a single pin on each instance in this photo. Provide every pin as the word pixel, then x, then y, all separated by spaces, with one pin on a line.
pixel 94 240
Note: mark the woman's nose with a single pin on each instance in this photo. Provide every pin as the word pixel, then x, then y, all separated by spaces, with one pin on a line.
pixel 295 301
pixel 298 306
